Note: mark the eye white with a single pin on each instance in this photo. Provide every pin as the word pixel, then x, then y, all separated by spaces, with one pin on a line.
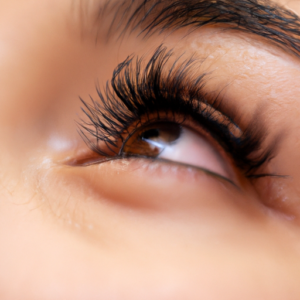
pixel 193 149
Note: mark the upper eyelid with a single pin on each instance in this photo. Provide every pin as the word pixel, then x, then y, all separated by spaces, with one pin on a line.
pixel 263 18
pixel 132 96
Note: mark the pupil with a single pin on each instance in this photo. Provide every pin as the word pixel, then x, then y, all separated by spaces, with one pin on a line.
pixel 150 134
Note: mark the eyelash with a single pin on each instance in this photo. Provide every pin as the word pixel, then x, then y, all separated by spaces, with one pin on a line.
pixel 135 97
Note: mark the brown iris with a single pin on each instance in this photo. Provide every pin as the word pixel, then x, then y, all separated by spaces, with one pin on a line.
pixel 152 139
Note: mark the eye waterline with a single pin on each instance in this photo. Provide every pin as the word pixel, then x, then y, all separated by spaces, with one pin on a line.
pixel 120 157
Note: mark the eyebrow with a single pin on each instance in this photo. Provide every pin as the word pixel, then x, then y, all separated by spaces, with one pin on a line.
pixel 145 17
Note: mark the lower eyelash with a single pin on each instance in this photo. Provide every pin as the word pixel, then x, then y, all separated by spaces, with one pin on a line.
pixel 137 95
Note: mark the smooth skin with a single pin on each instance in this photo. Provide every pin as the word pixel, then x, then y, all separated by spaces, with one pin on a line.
pixel 130 229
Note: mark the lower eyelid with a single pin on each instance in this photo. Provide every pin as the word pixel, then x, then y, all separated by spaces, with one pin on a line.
pixel 161 167
pixel 159 172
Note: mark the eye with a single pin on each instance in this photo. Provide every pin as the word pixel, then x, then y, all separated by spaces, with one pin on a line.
pixel 175 142
pixel 152 140
pixel 148 110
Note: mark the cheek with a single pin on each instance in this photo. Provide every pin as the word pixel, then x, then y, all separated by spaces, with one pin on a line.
pixel 181 226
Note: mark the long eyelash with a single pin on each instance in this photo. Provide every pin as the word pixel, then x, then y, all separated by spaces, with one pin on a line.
pixel 135 93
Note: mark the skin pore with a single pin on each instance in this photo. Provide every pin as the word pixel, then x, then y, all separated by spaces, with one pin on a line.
pixel 134 228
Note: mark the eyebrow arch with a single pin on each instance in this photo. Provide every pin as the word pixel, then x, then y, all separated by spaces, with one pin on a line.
pixel 260 17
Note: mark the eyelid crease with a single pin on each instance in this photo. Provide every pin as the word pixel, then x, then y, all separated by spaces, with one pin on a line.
pixel 135 92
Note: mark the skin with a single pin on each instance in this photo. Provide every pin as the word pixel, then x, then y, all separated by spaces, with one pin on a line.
pixel 130 229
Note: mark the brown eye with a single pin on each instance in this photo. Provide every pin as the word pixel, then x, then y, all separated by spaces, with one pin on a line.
pixel 151 140
pixel 173 142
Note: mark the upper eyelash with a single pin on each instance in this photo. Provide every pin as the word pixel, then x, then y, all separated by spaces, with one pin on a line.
pixel 134 93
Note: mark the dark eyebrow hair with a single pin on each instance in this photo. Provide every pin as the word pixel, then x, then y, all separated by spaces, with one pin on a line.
pixel 260 17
